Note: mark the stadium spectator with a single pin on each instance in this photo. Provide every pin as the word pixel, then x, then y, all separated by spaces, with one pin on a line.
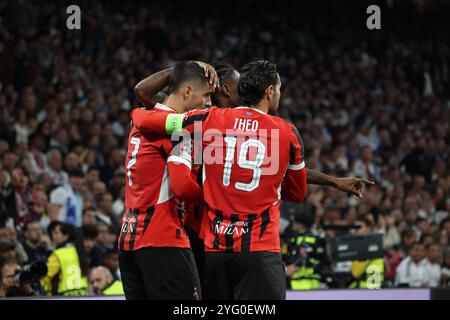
pixel 89 217
pixel 433 266
pixel 111 261
pixel 412 271
pixel 66 201
pixel 103 283
pixel 36 244
pixel 93 252
pixel 59 176
pixel 104 211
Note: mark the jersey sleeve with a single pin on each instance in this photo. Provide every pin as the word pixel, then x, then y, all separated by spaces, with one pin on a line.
pixel 293 187
pixel 153 121
pixel 179 165
pixel 150 121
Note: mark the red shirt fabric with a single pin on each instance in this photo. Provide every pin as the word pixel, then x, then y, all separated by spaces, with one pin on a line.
pixel 152 216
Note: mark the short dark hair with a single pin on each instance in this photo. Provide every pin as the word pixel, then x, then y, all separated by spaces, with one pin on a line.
pixel 407 233
pixel 66 229
pixel 255 78
pixel 223 70
pixel 417 243
pixel 25 226
pixel 76 173
pixel 185 71
pixel 89 231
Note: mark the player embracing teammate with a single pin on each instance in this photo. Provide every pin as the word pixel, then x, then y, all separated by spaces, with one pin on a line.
pixel 251 160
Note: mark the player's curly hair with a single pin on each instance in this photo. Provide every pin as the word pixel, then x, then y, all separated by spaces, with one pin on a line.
pixel 255 78
pixel 223 70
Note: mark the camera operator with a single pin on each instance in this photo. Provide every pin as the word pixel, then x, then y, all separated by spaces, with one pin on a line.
pixel 301 266
pixel 366 273
pixel 10 285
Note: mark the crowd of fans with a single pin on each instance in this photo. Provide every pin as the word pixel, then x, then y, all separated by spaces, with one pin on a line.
pixel 373 104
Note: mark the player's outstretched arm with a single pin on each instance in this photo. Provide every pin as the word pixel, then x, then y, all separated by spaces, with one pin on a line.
pixel 353 185
pixel 150 121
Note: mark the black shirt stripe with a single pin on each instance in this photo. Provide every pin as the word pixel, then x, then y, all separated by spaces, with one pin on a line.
pixel 246 237
pixel 148 216
pixel 265 217
pixel 229 233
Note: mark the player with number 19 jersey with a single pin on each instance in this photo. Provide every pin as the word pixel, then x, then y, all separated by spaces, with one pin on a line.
pixel 251 161
pixel 151 218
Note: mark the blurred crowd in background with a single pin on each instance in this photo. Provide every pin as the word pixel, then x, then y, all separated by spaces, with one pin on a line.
pixel 373 104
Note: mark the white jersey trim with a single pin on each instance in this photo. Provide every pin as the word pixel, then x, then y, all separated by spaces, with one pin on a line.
pixel 299 166
pixel 184 161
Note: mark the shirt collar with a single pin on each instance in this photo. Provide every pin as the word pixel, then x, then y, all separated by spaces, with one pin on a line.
pixel 161 106
pixel 257 110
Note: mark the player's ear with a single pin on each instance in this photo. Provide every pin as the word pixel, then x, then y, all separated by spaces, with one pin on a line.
pixel 225 90
pixel 269 91
pixel 187 92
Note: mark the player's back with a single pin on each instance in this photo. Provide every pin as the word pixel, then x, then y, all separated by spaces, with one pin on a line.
pixel 151 217
pixel 245 156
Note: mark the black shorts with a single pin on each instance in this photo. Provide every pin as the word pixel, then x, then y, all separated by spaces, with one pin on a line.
pixel 245 276
pixel 159 274
pixel 198 249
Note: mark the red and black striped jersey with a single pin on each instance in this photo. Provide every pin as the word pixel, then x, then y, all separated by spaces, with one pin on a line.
pixel 152 217
pixel 250 160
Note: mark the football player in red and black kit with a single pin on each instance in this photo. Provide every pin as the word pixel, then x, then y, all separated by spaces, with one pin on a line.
pixel 242 194
pixel 149 91
pixel 155 258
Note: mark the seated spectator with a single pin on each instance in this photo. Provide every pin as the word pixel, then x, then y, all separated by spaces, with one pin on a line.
pixel 7 250
pixel 66 203
pixel 54 169
pixel 35 244
pixel 103 283
pixel 89 217
pixel 94 254
pixel 36 156
pixel 445 269
pixel 433 266
pixel 412 271
pixel 107 236
pixel 11 235
pixel 24 198
pixel 111 261
pixel 408 238
pixel 104 213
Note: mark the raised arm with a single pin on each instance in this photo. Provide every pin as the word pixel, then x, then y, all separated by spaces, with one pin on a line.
pixel 148 91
